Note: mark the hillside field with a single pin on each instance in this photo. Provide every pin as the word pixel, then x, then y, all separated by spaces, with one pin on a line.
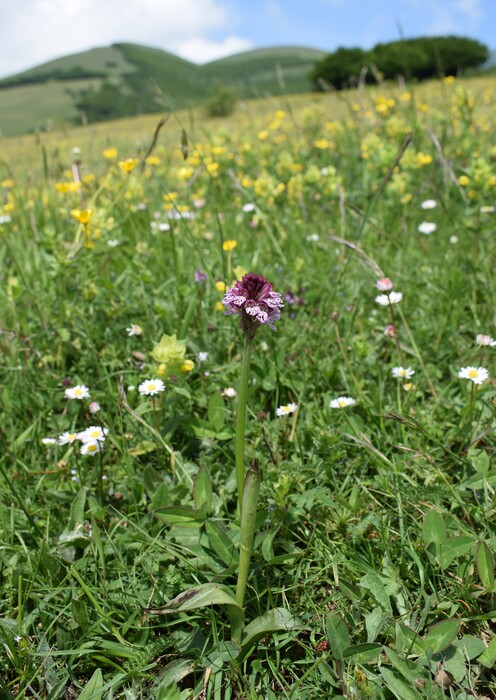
pixel 291 500
pixel 129 79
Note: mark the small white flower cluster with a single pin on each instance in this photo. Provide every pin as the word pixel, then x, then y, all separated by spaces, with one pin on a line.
pixel 384 284
pixel 91 439
pixel 286 410
pixel 342 402
pixel 478 375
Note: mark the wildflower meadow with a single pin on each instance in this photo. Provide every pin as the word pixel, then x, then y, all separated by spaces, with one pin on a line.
pixel 247 402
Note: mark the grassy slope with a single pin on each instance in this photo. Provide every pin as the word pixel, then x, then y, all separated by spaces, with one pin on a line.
pixel 39 107
pixel 271 70
pixel 180 83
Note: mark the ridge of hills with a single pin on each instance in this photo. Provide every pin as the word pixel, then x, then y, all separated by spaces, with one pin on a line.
pixel 128 79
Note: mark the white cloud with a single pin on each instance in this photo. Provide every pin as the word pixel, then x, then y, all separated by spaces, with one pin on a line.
pixel 202 50
pixel 34 31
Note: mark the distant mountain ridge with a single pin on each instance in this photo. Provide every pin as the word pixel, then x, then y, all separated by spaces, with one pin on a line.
pixel 126 79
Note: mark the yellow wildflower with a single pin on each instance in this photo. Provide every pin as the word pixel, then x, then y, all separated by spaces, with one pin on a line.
pixel 82 215
pixel 110 153
pixel 229 245
pixel 463 180
pixel 220 286
pixel 128 165
pixel 152 160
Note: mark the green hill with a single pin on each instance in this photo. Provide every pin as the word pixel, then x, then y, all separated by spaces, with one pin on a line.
pixel 128 79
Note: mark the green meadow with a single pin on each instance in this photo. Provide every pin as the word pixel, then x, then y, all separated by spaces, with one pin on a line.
pixel 195 504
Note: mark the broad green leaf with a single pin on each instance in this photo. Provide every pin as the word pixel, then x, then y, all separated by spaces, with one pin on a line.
pixel 454 663
pixel 199 597
pixel 408 669
pixel 220 542
pixel 370 649
pixel 174 515
pixel 202 489
pixel 472 647
pixel 151 480
pixel 453 548
pixel 79 613
pixel 484 561
pixel 142 448
pixel 480 460
pixel 413 642
pixel 272 621
pixel 401 689
pixel 374 622
pixel 161 498
pixel 216 412
pixel 488 657
pixel 434 528
pixel 77 509
pixel 169 692
pixel 337 635
pixel 373 583
pixel 441 635
pixel 93 689
pixel 175 671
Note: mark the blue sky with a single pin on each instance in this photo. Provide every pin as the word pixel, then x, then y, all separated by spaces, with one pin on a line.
pixel 35 31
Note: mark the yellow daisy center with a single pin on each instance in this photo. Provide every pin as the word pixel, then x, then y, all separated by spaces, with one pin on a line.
pixel 92 448
pixel 151 387
pixel 342 402
pixel 473 373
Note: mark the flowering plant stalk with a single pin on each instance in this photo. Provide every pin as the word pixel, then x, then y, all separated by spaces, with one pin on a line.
pixel 239 447
pixel 254 300
pixel 256 303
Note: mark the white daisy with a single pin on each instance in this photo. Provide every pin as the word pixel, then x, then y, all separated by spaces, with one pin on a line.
pixel 485 341
pixel 402 372
pixel 287 409
pixel 94 432
pixel 426 227
pixel 150 387
pixel 202 356
pixel 342 402
pixel 476 374
pixel 134 329
pixel 92 447
pixel 48 441
pixel 248 207
pixel 77 392
pixel 229 392
pixel 429 204
pixel 67 438
pixel 487 209
pixel 387 299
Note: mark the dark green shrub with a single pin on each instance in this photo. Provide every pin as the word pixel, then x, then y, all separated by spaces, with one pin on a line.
pixel 341 68
pixel 222 102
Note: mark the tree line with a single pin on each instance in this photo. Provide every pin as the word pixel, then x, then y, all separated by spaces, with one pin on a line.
pixel 414 59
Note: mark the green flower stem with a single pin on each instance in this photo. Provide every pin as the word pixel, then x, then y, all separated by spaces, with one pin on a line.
pixel 239 450
pixel 248 522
